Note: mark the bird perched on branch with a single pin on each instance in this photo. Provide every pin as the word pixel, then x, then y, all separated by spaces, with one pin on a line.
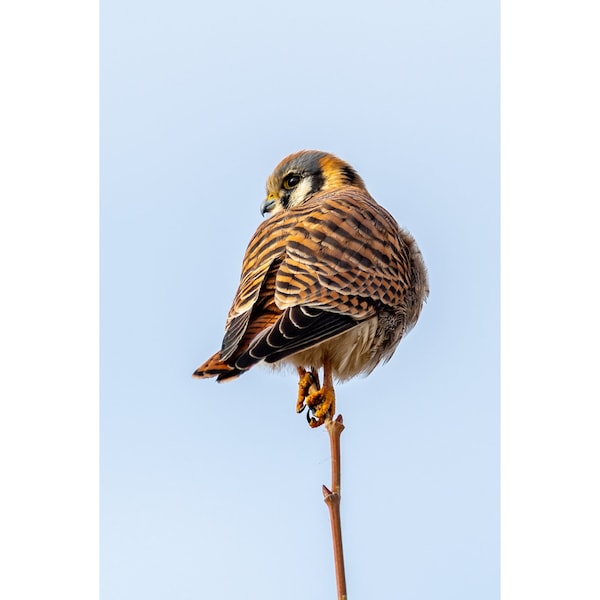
pixel 329 281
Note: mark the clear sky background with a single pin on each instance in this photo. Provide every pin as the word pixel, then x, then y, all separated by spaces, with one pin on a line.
pixel 214 491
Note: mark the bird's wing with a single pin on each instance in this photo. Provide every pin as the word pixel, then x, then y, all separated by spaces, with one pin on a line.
pixel 258 314
pixel 253 307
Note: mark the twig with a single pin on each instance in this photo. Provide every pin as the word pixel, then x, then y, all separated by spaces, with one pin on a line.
pixel 332 499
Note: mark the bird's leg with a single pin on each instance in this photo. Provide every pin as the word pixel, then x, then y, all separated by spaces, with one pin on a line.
pixel 321 403
pixel 309 382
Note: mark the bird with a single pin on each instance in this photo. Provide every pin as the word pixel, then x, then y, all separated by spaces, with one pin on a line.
pixel 329 282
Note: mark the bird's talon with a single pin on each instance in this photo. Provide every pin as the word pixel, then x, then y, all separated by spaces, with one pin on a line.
pixel 314 423
pixel 308 384
pixel 321 405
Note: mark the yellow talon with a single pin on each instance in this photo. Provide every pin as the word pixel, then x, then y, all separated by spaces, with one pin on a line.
pixel 320 401
pixel 309 382
pixel 321 404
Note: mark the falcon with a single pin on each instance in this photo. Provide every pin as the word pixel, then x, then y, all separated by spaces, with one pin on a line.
pixel 329 281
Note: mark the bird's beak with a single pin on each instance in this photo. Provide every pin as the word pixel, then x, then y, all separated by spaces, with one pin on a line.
pixel 269 204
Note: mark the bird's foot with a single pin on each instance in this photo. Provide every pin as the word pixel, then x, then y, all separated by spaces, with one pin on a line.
pixel 320 401
pixel 309 383
pixel 321 406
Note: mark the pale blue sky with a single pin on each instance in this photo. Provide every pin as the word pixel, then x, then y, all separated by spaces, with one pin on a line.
pixel 213 491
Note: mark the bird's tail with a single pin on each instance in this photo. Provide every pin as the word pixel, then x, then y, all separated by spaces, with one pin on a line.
pixel 215 367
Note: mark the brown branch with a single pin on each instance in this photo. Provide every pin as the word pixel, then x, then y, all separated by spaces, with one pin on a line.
pixel 332 499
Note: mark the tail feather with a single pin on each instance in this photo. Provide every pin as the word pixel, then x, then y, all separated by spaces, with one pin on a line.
pixel 215 367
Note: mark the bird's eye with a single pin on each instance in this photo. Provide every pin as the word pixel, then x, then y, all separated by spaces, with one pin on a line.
pixel 291 181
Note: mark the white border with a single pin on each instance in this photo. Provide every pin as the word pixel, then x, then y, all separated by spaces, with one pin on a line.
pixel 49 299
pixel 550 302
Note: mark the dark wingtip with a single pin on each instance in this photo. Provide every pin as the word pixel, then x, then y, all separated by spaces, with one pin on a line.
pixel 220 374
pixel 229 376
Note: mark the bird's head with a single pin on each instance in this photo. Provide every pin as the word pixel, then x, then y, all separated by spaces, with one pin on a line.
pixel 301 175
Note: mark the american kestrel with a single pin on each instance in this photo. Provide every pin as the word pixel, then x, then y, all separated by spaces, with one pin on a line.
pixel 328 281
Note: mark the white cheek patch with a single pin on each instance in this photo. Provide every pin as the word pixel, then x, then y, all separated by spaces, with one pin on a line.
pixel 301 191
